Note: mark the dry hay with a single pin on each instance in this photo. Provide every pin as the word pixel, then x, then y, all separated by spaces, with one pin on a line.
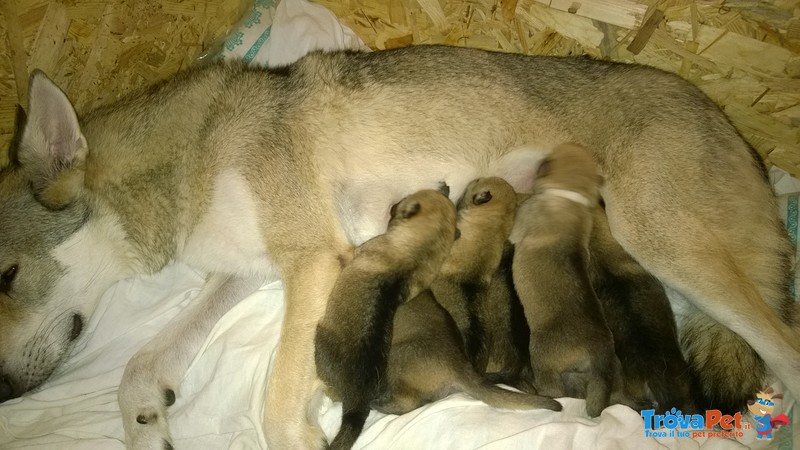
pixel 745 54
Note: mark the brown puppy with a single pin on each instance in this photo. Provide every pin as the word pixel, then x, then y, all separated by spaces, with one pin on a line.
pixel 427 362
pixel 509 357
pixel 571 347
pixel 473 287
pixel 638 312
pixel 353 338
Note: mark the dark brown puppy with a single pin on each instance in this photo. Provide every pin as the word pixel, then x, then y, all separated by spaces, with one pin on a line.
pixel 353 338
pixel 640 317
pixel 509 337
pixel 427 362
pixel 571 347
pixel 471 288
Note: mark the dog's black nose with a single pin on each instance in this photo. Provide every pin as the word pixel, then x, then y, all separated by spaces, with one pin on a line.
pixel 6 391
pixel 77 327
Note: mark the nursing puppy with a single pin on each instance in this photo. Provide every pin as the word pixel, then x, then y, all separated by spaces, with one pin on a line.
pixel 427 362
pixel 640 318
pixel 571 347
pixel 251 175
pixel 353 338
pixel 509 355
pixel 467 285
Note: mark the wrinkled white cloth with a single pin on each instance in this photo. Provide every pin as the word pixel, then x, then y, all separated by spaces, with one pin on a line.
pixel 274 33
pixel 220 400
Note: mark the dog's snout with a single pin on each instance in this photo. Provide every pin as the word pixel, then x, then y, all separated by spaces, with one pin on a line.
pixel 7 391
pixel 77 327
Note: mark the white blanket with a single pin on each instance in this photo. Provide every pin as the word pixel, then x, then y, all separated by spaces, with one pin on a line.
pixel 220 400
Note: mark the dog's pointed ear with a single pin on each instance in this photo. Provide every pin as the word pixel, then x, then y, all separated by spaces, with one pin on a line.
pixel 482 197
pixel 409 209
pixel 52 149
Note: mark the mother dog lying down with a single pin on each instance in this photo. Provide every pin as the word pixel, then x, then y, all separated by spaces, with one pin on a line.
pixel 253 174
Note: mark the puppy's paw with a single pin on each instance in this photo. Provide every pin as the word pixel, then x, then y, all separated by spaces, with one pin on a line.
pixel 143 401
pixel 598 391
pixel 282 432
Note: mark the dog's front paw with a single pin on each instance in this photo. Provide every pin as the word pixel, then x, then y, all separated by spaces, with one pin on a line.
pixel 143 401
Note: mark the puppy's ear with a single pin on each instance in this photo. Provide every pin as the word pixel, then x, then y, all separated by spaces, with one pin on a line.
pixel 407 210
pixel 482 197
pixel 444 188
pixel 543 169
pixel 52 149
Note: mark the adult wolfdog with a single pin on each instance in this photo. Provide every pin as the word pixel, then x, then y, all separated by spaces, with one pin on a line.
pixel 253 174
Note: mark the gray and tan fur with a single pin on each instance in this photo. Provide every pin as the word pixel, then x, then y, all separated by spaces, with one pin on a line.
pixel 250 175
pixel 571 346
pixel 469 285
pixel 638 313
pixel 485 217
pixel 427 362
pixel 354 335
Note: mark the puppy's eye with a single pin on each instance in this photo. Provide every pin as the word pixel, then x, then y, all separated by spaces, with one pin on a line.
pixel 7 278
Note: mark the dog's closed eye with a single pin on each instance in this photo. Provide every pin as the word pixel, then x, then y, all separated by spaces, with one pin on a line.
pixel 7 278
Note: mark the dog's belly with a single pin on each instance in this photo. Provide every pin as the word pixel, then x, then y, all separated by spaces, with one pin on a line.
pixel 369 189
pixel 228 238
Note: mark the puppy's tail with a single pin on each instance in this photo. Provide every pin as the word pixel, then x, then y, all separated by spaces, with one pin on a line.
pixel 353 420
pixel 498 397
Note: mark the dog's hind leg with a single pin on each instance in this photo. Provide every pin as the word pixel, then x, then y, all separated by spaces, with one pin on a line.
pixel 726 252
pixel 288 421
pixel 152 376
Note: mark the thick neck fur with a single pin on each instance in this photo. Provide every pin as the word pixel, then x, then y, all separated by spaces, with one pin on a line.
pixel 153 158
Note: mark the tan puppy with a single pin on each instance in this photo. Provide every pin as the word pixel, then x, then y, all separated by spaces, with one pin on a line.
pixel 427 362
pixel 572 350
pixel 509 358
pixel 638 312
pixel 475 285
pixel 352 341
pixel 485 218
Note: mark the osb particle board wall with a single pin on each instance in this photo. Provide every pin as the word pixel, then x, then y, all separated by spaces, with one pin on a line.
pixel 744 53
pixel 98 50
